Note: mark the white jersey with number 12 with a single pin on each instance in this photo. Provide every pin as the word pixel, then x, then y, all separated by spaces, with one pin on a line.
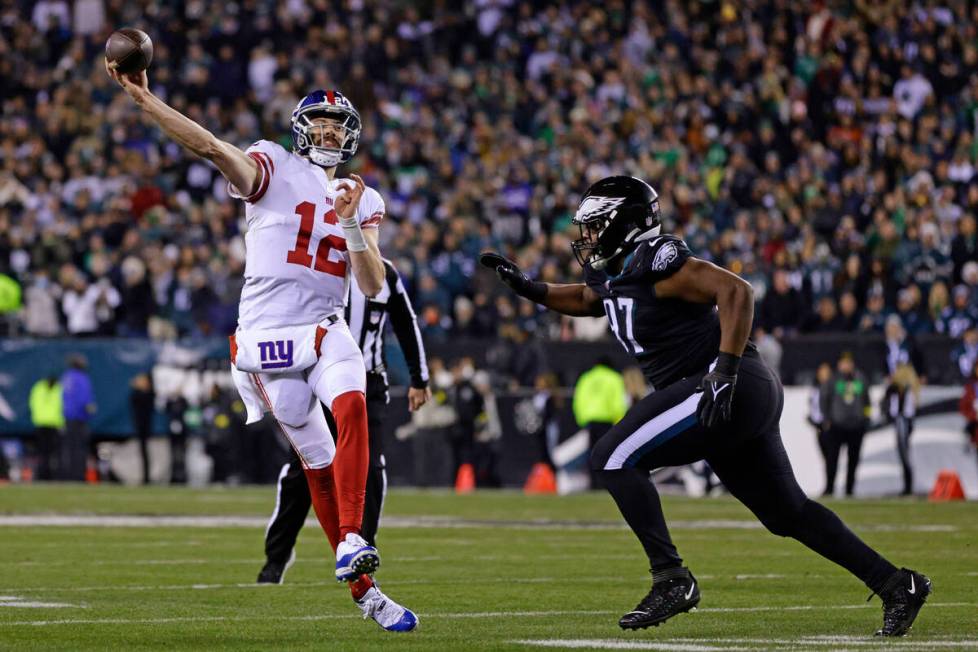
pixel 296 264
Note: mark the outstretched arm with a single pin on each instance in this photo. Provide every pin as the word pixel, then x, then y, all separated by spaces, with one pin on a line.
pixel 236 166
pixel 575 299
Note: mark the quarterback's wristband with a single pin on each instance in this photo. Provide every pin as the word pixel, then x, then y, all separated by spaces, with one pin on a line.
pixel 727 364
pixel 354 236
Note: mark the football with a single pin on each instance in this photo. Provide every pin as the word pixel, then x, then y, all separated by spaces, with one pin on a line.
pixel 130 48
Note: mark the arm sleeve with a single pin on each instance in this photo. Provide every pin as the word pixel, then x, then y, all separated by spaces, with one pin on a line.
pixel 268 155
pixel 405 325
pixel 662 257
pixel 371 210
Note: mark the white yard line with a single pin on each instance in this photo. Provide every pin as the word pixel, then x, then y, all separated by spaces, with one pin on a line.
pixel 735 643
pixel 613 644
pixel 22 604
pixel 96 520
pixel 501 614
pixel 19 603
pixel 197 619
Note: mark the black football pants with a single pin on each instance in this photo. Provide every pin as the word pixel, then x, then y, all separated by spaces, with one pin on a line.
pixel 746 454
pixel 293 501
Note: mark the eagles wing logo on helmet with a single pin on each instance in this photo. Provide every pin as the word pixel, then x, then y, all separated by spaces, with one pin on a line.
pixel 594 205
pixel 665 255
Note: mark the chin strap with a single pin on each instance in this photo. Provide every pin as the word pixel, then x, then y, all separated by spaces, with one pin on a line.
pixel 328 158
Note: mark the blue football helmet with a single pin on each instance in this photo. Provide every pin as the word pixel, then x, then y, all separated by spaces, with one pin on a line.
pixel 329 104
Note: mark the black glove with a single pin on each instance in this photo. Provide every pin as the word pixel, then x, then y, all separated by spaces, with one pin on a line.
pixel 511 274
pixel 716 404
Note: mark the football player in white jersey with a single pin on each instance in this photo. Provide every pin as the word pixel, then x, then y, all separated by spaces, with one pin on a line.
pixel 292 349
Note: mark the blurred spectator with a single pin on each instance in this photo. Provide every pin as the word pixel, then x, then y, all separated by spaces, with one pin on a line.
pixel 826 318
pixel 968 406
pixel 849 312
pixel 899 406
pixel 432 424
pixel 79 407
pixel 142 406
pixel 873 318
pixel 469 409
pixel 136 298
pixel 816 416
pixel 845 404
pixel 88 307
pixel 599 401
pixel 48 418
pixel 781 310
pixel 958 317
pixel 547 403
pixel 964 246
pixel 488 434
pixel 909 312
pixel 900 349
pixel 224 418
pixel 842 157
pixel 41 317
pixel 937 302
pixel 636 388
pixel 965 355
pixel 515 357
pixel 770 349
pixel 10 298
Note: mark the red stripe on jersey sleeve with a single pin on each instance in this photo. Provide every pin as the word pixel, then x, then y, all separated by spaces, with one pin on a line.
pixel 373 221
pixel 268 161
pixel 265 178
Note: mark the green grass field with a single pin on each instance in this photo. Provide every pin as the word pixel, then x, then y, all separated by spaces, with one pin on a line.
pixel 489 571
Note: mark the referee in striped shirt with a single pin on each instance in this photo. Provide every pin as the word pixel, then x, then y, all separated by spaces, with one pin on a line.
pixel 366 317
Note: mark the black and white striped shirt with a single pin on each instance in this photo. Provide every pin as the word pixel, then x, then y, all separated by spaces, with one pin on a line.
pixel 367 317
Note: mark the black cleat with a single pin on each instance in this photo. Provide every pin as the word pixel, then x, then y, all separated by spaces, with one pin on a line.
pixel 903 595
pixel 273 572
pixel 667 598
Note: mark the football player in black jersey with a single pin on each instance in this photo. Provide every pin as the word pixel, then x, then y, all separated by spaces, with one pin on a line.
pixel 687 323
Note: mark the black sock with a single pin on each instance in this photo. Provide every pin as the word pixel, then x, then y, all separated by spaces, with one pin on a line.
pixel 638 502
pixel 825 533
pixel 669 573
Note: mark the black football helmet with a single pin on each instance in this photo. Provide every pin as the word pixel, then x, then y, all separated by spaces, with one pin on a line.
pixel 615 214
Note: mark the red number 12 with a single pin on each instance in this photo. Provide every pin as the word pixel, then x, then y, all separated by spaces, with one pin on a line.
pixel 300 253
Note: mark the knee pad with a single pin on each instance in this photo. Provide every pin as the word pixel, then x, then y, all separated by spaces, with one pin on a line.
pixel 312 440
pixel 315 455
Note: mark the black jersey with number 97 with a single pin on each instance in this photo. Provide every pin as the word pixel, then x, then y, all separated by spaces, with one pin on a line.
pixel 670 338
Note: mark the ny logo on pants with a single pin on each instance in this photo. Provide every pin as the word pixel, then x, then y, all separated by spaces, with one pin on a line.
pixel 276 354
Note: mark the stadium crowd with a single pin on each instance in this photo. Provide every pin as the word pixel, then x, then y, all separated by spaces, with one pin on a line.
pixel 824 151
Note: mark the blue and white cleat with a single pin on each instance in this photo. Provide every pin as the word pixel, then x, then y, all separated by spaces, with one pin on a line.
pixel 355 558
pixel 387 613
